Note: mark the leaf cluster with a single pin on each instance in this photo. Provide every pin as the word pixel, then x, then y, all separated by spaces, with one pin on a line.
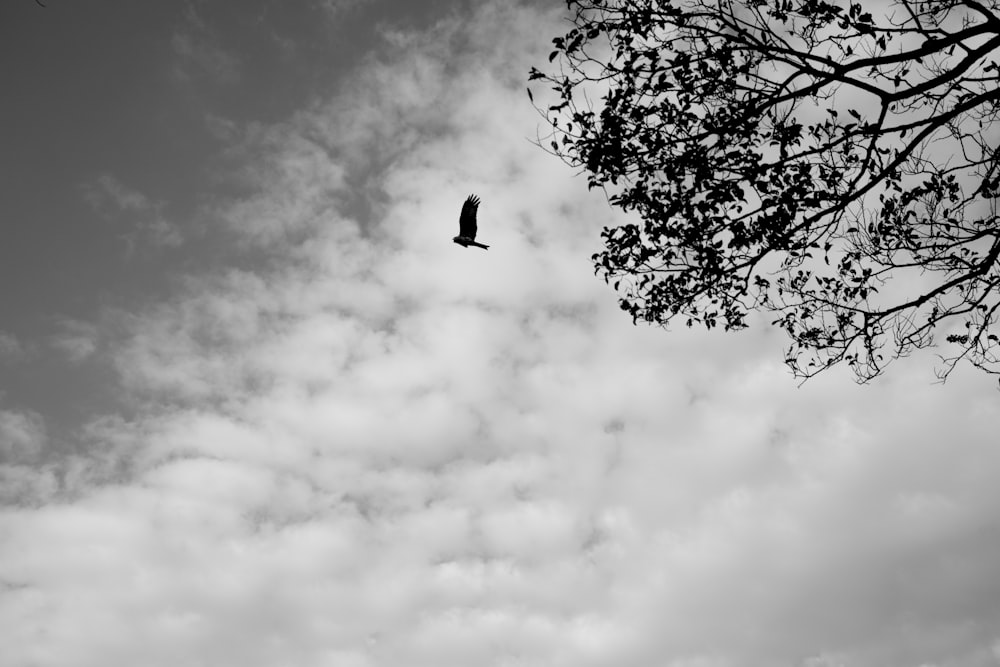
pixel 798 157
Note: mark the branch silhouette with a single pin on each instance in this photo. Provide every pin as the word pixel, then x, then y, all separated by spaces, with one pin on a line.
pixel 836 169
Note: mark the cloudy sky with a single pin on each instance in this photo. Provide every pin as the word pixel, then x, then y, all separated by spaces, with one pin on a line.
pixel 257 409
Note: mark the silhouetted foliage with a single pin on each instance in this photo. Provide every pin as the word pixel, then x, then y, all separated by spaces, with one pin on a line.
pixel 835 166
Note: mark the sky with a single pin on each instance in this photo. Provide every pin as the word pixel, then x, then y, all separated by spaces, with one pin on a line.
pixel 256 408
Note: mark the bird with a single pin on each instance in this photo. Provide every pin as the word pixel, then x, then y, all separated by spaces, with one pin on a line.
pixel 467 224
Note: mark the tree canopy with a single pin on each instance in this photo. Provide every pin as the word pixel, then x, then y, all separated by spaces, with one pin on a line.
pixel 834 165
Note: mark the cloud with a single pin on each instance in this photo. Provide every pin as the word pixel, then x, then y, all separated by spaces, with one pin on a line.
pixel 149 226
pixel 12 350
pixel 23 439
pixel 360 445
pixel 335 9
pixel 77 340
pixel 106 190
pixel 22 435
pixel 198 52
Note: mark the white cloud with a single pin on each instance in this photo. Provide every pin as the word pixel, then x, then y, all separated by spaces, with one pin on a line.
pixel 376 448
pixel 22 435
pixel 199 53
pixel 107 190
pixel 335 9
pixel 76 340
pixel 149 226
pixel 22 441
pixel 12 350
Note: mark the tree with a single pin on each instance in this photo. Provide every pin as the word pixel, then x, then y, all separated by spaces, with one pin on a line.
pixel 834 168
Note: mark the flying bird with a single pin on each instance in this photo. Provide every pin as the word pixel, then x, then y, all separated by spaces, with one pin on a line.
pixel 467 224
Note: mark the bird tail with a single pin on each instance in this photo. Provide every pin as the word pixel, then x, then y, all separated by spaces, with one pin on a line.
pixel 479 245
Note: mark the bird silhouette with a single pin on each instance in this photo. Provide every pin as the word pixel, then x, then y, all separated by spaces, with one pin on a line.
pixel 467 224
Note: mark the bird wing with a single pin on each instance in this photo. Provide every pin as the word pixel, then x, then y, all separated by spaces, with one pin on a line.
pixel 467 221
